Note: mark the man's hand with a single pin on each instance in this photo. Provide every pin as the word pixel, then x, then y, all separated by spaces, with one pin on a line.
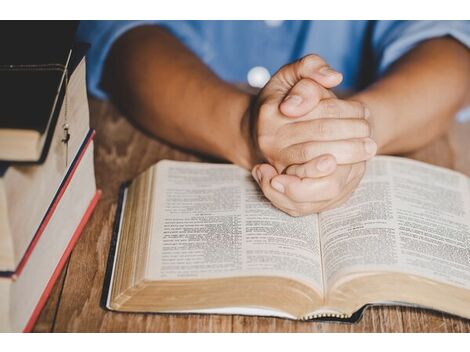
pixel 209 113
pixel 303 196
pixel 297 119
pixel 318 141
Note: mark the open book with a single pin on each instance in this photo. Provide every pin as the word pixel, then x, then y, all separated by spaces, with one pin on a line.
pixel 201 238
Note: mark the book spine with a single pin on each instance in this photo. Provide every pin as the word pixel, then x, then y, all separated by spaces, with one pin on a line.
pixel 113 247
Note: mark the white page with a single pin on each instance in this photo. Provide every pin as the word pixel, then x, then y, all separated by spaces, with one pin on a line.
pixel 405 216
pixel 212 221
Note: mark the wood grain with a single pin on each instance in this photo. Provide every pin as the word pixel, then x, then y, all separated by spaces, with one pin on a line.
pixel 122 151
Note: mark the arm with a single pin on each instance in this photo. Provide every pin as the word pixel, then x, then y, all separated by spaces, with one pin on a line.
pixel 419 97
pixel 167 90
pixel 409 107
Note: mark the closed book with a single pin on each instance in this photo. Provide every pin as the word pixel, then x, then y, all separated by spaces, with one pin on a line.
pixel 32 189
pixel 23 297
pixel 34 69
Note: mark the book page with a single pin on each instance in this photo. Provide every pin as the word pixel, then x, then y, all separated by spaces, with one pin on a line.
pixel 5 305
pixel 211 220
pixel 405 216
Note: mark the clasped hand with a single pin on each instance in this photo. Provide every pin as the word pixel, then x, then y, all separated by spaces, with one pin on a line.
pixel 314 145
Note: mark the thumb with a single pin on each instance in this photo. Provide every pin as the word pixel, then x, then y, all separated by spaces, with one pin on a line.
pixel 320 166
pixel 311 66
pixel 263 173
pixel 327 77
pixel 303 97
pixel 314 67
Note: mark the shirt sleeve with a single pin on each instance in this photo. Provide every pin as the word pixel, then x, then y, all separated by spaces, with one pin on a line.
pixel 392 39
pixel 101 35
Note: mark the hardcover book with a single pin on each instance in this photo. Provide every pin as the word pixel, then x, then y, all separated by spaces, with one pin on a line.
pixel 20 185
pixel 23 297
pixel 34 69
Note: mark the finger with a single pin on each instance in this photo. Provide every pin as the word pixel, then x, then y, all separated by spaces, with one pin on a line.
pixel 339 108
pixel 303 97
pixel 314 67
pixel 355 177
pixel 263 174
pixel 345 151
pixel 323 130
pixel 321 166
pixel 311 66
pixel 313 190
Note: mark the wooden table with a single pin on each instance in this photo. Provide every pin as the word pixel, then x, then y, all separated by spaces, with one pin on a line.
pixel 122 152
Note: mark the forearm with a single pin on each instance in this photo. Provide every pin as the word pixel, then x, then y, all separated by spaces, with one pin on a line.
pixel 166 89
pixel 418 98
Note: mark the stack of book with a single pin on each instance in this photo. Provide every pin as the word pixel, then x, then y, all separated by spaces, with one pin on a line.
pixel 47 181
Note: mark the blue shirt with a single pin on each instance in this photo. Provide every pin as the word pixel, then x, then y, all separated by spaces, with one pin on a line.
pixel 361 50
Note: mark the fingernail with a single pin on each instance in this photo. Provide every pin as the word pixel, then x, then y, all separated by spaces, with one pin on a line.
pixel 293 100
pixel 325 164
pixel 327 71
pixel 278 186
pixel 370 147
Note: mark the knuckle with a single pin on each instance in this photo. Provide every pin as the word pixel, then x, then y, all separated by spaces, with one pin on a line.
pixel 283 68
pixel 359 108
pixel 305 87
pixel 331 108
pixel 311 60
pixel 357 149
pixel 304 153
pixel 365 127
pixel 300 171
pixel 364 144
pixel 322 129
pixel 362 109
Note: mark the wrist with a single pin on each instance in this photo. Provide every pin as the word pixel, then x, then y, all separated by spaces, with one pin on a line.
pixel 236 143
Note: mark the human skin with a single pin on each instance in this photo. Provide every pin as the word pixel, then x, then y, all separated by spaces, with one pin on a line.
pixel 306 157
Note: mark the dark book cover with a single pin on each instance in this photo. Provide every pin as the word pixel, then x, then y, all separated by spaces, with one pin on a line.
pixel 79 51
pixel 33 58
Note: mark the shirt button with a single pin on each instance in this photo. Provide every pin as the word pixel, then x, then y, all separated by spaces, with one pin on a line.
pixel 258 76
pixel 273 23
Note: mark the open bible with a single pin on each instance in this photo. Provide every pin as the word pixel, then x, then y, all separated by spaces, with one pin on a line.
pixel 201 238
